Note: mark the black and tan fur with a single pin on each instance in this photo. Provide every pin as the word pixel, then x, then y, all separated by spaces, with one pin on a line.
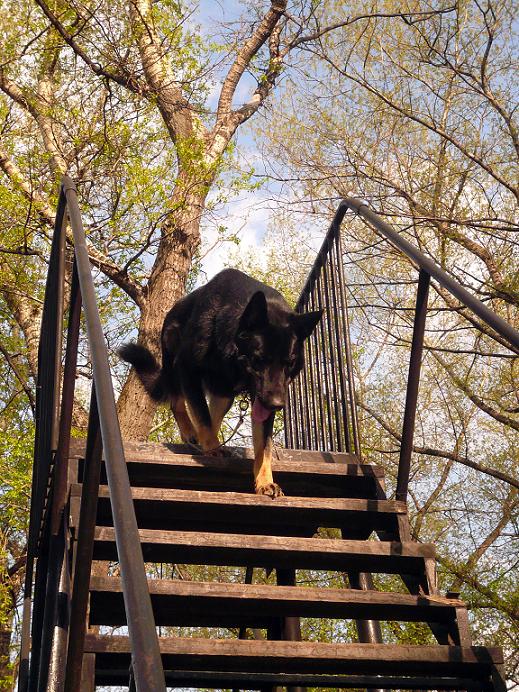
pixel 234 335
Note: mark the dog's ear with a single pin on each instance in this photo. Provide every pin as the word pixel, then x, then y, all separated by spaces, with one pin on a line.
pixel 305 323
pixel 255 315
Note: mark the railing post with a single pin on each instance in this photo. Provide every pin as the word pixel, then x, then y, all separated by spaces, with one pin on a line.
pixel 84 549
pixel 413 382
pixel 149 674
pixel 46 439
pixel 355 429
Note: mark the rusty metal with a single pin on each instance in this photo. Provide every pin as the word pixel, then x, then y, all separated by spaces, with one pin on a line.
pixel 413 382
pixel 147 665
pixel 329 353
pixel 59 497
pixel 48 536
pixel 488 316
pixel 57 602
pixel 321 411
pixel 84 548
pixel 45 443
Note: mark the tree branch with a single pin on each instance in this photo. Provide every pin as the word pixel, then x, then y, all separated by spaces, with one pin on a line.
pixel 406 16
pixel 431 126
pixel 491 596
pixel 19 377
pixel 123 78
pixel 245 55
pixel 174 108
pixel 431 451
pixel 110 269
pixel 510 422
pixel 228 120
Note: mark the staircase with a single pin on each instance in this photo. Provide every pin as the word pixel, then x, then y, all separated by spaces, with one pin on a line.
pixel 116 503
pixel 200 511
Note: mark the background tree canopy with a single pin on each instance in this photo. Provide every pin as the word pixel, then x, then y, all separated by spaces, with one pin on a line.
pixel 410 105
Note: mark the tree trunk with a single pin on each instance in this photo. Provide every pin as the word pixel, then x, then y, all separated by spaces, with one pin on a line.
pixel 5 667
pixel 180 238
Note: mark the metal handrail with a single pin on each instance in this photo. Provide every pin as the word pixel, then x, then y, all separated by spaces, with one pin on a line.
pixel 295 412
pixel 146 660
pixel 488 316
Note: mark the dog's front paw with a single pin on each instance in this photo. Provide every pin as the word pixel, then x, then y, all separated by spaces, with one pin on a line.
pixel 270 489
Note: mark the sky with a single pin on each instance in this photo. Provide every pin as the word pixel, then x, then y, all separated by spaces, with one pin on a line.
pixel 248 214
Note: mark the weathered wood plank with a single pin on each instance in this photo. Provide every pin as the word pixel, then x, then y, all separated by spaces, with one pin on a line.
pixel 159 467
pixel 271 551
pixel 308 657
pixel 209 604
pixel 265 680
pixel 171 508
pixel 236 500
pixel 156 450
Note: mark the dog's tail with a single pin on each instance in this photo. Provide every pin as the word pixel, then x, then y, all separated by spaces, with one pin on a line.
pixel 147 368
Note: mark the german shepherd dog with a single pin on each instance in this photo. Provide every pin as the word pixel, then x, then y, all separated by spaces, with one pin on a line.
pixel 234 335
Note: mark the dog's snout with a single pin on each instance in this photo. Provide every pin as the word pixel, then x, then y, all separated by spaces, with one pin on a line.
pixel 275 402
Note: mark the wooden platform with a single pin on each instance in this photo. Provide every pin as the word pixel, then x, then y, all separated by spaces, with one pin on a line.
pixel 195 510
pixel 272 551
pixel 476 665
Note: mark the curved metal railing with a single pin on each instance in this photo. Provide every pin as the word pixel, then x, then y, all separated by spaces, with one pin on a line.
pixel 59 625
pixel 329 358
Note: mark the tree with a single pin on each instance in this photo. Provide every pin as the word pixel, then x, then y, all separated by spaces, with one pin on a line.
pixel 122 96
pixel 418 118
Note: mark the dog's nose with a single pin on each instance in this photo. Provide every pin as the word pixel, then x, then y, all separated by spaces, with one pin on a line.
pixel 275 402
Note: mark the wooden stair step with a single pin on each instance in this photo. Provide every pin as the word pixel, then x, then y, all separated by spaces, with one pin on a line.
pixel 210 604
pixel 256 656
pixel 205 548
pixel 265 680
pixel 170 508
pixel 156 450
pixel 321 474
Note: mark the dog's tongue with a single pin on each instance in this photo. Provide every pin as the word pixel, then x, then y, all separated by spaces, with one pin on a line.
pixel 259 412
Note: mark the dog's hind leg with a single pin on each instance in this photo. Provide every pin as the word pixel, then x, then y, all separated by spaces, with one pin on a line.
pixel 199 413
pixel 187 431
pixel 218 407
pixel 262 439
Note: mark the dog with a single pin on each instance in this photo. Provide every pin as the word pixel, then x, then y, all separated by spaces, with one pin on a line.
pixel 231 336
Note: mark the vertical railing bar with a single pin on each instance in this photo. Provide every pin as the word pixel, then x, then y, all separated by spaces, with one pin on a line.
pixel 67 403
pixel 310 376
pixel 148 669
pixel 85 547
pixel 297 441
pixel 306 386
pixel 324 352
pixel 299 411
pixel 47 421
pixel 339 348
pixel 314 337
pixel 292 420
pixel 413 382
pixel 348 349
pixel 338 447
pixel 310 365
pixel 302 427
pixel 287 422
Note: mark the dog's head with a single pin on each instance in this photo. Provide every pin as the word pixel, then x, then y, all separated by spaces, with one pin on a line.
pixel 271 352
